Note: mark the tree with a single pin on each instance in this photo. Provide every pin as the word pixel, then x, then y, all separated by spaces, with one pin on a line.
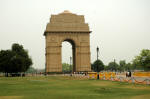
pixel 113 66
pixel 66 67
pixel 31 70
pixel 142 60
pixel 14 60
pixel 22 59
pixel 98 66
pixel 122 65
pixel 106 68
pixel 6 57
pixel 128 67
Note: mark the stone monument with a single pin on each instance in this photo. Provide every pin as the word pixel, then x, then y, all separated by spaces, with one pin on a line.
pixel 70 27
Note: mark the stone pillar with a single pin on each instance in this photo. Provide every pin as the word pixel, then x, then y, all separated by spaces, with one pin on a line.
pixel 53 55
pixel 83 53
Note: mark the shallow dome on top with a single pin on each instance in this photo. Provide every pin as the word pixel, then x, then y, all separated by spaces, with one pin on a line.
pixel 66 11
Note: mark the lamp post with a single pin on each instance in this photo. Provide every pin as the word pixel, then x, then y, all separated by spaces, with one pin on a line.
pixel 97 49
pixel 70 64
pixel 115 65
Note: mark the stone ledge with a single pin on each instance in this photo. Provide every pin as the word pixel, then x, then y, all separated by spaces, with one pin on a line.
pixel 66 32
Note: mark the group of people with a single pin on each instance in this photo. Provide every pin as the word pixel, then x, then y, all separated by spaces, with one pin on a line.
pixel 128 74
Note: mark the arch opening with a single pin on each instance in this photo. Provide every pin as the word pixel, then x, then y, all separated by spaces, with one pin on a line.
pixel 68 55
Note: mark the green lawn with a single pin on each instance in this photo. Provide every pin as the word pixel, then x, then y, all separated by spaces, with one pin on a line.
pixel 57 87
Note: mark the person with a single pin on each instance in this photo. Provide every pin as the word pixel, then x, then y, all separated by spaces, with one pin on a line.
pixel 126 74
pixel 129 73
pixel 97 75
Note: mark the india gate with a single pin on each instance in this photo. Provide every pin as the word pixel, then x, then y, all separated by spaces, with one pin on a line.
pixel 69 27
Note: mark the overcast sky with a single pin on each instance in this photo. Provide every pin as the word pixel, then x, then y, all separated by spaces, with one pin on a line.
pixel 121 28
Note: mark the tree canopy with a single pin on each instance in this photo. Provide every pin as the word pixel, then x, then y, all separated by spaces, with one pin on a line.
pixel 143 59
pixel 97 66
pixel 66 67
pixel 14 60
pixel 113 66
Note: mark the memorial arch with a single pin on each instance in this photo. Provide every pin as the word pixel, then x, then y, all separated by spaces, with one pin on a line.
pixel 69 27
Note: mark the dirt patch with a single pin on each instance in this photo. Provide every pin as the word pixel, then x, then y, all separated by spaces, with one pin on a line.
pixel 147 96
pixel 10 97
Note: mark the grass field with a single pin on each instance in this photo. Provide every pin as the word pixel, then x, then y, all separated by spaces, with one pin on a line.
pixel 57 87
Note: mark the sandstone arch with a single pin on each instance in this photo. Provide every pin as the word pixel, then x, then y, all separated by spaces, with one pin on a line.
pixel 72 28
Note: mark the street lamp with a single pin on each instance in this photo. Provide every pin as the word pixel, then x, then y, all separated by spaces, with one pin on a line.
pixel 97 49
pixel 70 64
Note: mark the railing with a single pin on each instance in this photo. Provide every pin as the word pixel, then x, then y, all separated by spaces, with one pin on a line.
pixel 142 74
pixel 113 77
pixel 129 80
